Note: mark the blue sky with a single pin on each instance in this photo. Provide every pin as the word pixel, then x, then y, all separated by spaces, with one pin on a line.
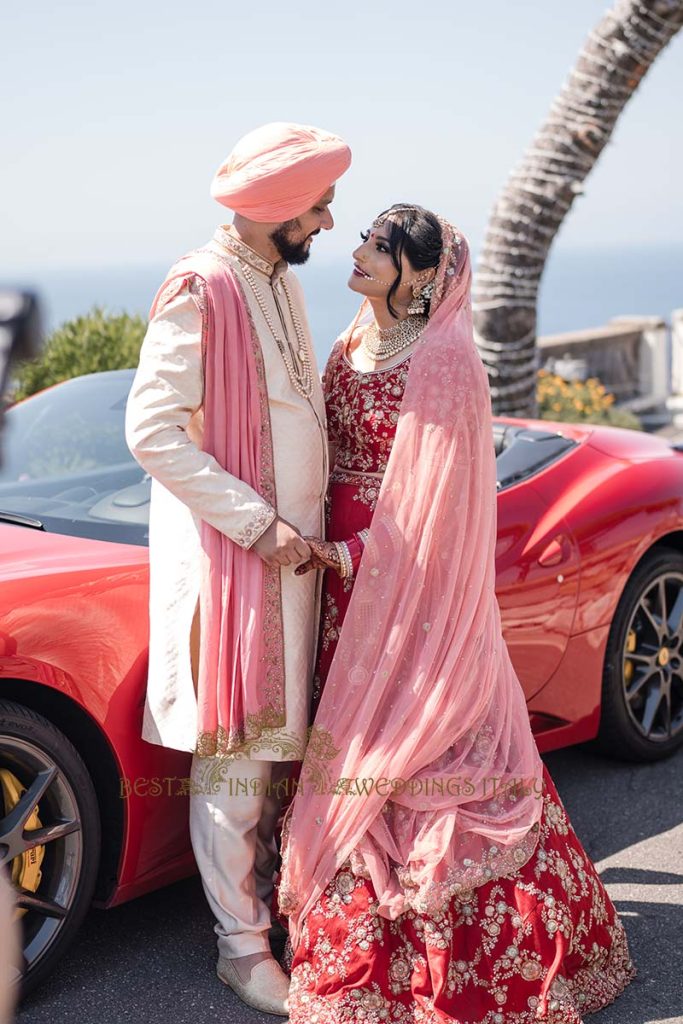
pixel 121 111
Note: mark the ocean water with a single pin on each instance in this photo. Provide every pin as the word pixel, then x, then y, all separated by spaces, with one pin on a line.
pixel 580 288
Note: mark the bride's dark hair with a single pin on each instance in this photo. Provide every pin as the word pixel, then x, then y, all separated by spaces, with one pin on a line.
pixel 416 232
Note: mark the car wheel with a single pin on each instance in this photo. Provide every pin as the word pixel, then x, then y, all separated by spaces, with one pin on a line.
pixel 641 717
pixel 49 836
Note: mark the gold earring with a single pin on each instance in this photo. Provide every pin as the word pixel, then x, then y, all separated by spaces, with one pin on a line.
pixel 417 305
pixel 421 296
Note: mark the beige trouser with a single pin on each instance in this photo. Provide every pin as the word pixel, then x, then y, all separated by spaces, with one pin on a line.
pixel 234 808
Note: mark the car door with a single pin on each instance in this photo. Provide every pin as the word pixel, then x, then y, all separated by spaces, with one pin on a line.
pixel 537 583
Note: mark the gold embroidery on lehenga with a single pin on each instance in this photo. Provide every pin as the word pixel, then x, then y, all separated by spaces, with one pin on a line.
pixel 362 413
pixel 366 487
pixel 495 964
pixel 329 629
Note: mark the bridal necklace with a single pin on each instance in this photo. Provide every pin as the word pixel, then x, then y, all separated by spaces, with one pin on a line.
pixel 385 342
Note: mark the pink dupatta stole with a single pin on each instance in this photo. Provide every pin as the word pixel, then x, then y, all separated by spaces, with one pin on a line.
pixel 421 766
pixel 241 664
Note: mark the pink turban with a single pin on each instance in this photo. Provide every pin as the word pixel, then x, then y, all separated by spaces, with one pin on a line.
pixel 277 172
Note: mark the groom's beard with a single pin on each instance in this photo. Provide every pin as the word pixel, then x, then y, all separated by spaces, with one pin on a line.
pixel 290 251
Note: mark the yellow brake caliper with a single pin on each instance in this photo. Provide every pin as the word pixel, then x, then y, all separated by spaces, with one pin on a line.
pixel 631 644
pixel 26 873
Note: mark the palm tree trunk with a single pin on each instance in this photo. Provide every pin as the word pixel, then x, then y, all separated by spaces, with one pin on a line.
pixel 541 190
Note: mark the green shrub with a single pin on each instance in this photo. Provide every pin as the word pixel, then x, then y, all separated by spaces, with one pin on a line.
pixel 87 344
pixel 580 401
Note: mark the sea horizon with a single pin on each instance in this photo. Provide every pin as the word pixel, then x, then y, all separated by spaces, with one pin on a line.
pixel 581 288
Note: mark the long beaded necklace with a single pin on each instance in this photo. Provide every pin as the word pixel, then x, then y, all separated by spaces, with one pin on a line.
pixel 385 342
pixel 302 379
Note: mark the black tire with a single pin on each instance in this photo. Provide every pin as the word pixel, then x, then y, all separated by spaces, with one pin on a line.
pixel 35 754
pixel 641 717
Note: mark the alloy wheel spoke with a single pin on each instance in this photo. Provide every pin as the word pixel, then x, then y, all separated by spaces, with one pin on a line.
pixel 41 904
pixel 661 593
pixel 33 795
pixel 12 826
pixel 652 702
pixel 650 617
pixel 640 681
pixel 667 700
pixel 48 833
pixel 675 618
pixel 642 659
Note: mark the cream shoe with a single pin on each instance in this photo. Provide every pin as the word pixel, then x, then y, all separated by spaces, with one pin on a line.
pixel 266 990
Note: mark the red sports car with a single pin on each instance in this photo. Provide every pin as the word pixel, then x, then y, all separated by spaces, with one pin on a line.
pixel 590 583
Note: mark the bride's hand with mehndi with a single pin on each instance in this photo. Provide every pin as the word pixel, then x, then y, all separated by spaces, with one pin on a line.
pixel 324 555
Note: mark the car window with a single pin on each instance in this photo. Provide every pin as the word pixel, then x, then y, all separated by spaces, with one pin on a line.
pixel 66 463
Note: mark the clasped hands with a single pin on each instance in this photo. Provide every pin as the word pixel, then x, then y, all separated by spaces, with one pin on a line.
pixel 282 544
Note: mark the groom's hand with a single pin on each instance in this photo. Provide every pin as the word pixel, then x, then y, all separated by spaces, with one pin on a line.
pixel 281 544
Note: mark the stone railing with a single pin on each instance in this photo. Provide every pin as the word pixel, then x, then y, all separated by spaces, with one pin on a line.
pixel 631 355
pixel 675 400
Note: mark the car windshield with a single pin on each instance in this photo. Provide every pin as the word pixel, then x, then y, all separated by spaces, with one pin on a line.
pixel 65 463
pixel 66 466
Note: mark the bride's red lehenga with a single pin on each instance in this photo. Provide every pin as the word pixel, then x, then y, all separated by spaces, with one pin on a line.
pixel 544 943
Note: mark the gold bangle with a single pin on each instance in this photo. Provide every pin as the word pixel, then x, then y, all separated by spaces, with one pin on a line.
pixel 346 560
pixel 340 557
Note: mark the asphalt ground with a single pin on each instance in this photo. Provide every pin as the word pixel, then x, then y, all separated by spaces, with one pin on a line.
pixel 153 960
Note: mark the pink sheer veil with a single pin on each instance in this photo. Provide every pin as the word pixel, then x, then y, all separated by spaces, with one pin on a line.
pixel 421 766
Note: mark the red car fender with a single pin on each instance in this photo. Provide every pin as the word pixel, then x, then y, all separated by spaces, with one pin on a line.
pixel 86 629
pixel 617 509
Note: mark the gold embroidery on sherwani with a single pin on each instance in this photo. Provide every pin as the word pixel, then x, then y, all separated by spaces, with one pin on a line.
pixel 244 252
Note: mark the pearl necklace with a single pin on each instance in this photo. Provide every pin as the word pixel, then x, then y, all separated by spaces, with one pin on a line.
pixel 385 342
pixel 302 379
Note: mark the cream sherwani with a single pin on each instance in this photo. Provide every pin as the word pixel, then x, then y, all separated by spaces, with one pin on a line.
pixel 163 425
pixel 232 835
